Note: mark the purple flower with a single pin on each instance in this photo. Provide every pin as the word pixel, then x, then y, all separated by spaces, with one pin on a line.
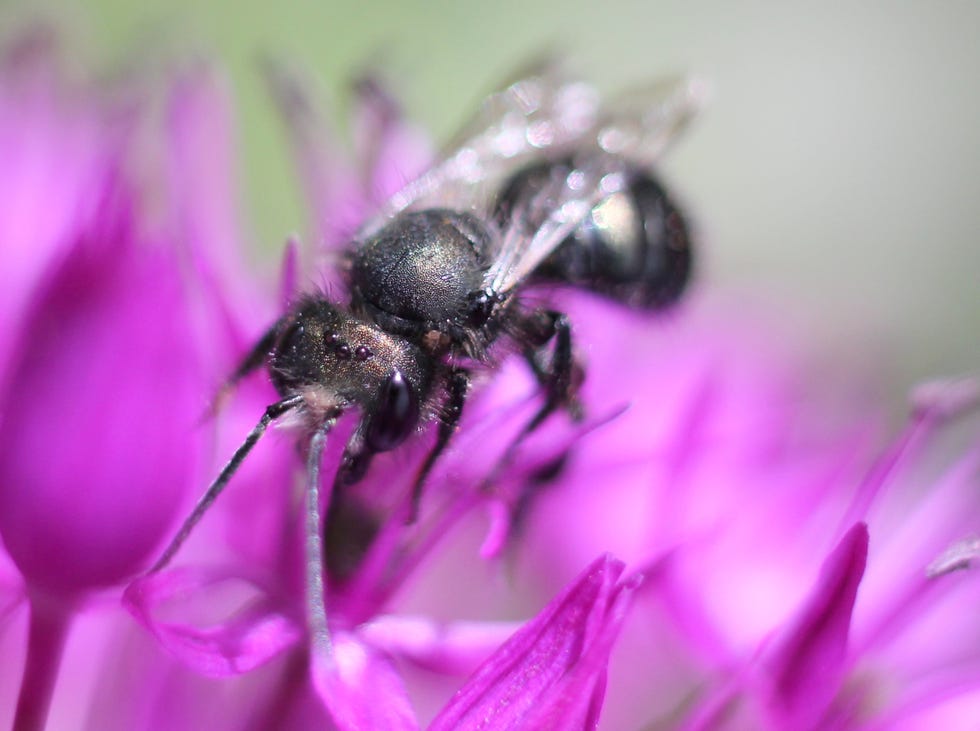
pixel 552 672
pixel 776 569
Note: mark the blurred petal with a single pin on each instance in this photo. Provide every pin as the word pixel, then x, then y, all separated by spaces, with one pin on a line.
pixel 98 417
pixel 807 664
pixel 334 194
pixel 257 631
pixel 540 674
pixel 52 179
pixel 455 648
pixel 391 153
pixel 360 688
pixel 205 215
pixel 289 273
pixel 955 706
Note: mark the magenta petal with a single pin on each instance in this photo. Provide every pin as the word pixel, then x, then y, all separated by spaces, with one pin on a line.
pixel 10 598
pixel 202 170
pixel 360 688
pixel 455 648
pixel 499 531
pixel 807 664
pixel 289 273
pixel 248 638
pixel 576 701
pixel 390 151
pixel 954 706
pixel 105 392
pixel 543 673
pixel 204 215
pixel 332 191
pixel 55 170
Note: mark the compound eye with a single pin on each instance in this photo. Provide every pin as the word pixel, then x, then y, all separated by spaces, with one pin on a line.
pixel 395 416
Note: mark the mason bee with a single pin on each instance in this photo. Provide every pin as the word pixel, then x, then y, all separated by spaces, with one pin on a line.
pixel 545 186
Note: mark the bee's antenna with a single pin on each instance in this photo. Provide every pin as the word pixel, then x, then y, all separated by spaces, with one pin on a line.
pixel 315 599
pixel 271 413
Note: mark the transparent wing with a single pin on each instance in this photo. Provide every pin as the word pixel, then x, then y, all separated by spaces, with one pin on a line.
pixel 540 114
pixel 642 123
pixel 629 133
pixel 540 223
pixel 544 109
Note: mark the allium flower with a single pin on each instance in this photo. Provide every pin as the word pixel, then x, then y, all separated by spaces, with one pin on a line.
pixel 101 366
pixel 770 571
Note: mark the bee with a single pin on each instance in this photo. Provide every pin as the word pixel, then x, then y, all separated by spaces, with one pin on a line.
pixel 544 186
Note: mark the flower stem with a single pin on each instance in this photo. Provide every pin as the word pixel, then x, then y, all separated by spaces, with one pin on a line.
pixel 49 624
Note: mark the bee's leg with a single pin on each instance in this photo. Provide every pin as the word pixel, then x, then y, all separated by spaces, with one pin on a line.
pixel 355 461
pixel 214 489
pixel 252 360
pixel 316 612
pixel 257 355
pixel 559 376
pixel 349 527
pixel 457 387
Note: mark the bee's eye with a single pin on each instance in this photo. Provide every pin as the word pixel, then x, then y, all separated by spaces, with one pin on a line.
pixel 396 415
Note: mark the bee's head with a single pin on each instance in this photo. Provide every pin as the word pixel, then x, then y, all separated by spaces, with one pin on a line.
pixel 338 361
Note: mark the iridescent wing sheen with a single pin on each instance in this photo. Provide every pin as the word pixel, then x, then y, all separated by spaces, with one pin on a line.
pixel 541 222
pixel 532 117
pixel 641 123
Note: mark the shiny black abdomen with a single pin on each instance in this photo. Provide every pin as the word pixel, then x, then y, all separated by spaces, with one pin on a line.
pixel 634 246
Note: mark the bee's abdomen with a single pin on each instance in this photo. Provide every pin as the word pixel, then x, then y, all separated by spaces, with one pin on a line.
pixel 634 246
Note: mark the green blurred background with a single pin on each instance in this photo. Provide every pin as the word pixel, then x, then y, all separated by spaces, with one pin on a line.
pixel 838 165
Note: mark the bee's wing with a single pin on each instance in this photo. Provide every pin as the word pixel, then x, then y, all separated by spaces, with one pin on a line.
pixel 632 131
pixel 535 116
pixel 545 108
pixel 641 123
pixel 538 224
